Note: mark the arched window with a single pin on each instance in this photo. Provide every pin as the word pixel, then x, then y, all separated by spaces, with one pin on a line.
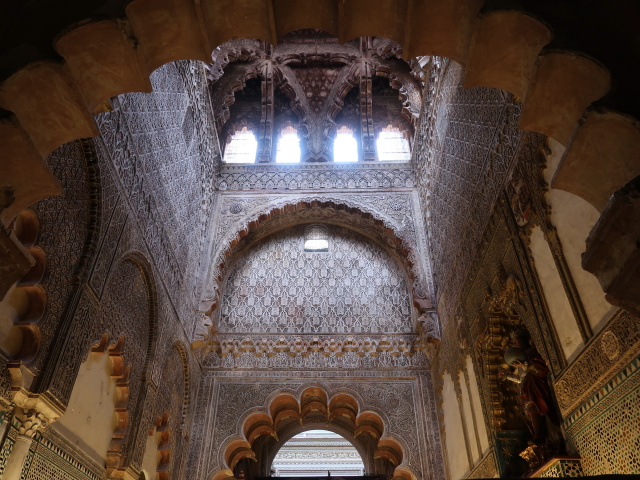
pixel 392 146
pixel 314 453
pixel 316 239
pixel 345 146
pixel 242 147
pixel 288 150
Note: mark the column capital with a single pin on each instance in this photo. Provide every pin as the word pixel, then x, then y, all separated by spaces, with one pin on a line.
pixel 35 411
pixel 30 422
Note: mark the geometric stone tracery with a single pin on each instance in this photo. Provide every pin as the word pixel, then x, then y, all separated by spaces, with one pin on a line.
pixel 278 288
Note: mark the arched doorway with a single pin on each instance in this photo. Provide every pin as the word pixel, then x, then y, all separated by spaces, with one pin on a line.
pixel 316 453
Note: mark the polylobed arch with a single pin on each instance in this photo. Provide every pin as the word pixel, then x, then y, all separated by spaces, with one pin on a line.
pixel 119 373
pixel 121 456
pixel 262 431
pixel 53 103
pixel 275 218
pixel 165 453
pixel 25 301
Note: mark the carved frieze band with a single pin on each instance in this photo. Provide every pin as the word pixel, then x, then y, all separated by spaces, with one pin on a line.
pixel 605 354
pixel 320 352
pixel 308 177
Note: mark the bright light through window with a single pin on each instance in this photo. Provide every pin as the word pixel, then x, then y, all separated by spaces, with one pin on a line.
pixel 316 239
pixel 316 245
pixel 392 146
pixel 241 148
pixel 288 146
pixel 345 147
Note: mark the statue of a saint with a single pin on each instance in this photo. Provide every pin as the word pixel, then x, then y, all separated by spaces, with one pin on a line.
pixel 530 371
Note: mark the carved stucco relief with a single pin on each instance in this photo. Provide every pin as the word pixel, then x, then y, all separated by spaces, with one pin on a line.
pixel 395 209
pixel 397 402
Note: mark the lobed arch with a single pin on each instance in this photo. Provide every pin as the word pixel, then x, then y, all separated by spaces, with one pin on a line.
pixel 25 301
pixel 287 412
pixel 272 218
pixel 117 421
pixel 120 371
pixel 121 457
pixel 168 430
pixel 52 103
pixel 103 62
pixel 224 95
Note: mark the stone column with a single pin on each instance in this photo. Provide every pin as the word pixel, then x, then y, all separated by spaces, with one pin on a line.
pixel 31 421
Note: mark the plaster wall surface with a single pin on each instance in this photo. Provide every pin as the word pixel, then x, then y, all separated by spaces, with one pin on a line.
pixel 468 418
pixel 477 406
pixel 89 420
pixel 150 458
pixel 574 218
pixel 559 307
pixel 454 433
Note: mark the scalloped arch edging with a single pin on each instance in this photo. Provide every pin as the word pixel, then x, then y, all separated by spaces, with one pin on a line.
pixel 53 103
pixel 311 402
pixel 233 243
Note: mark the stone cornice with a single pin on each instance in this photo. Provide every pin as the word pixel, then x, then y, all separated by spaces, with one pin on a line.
pixel 299 167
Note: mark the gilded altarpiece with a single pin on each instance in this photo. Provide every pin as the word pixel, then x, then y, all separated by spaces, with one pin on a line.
pixel 502 297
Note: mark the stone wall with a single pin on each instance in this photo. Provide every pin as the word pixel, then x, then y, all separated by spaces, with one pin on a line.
pixel 164 149
pixel 466 145
pixel 130 223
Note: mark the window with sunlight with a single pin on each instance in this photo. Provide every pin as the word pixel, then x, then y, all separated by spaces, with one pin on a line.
pixel 314 453
pixel 288 150
pixel 392 146
pixel 345 146
pixel 241 148
pixel 316 239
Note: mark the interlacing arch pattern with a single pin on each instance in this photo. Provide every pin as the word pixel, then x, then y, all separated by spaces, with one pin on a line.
pixel 287 409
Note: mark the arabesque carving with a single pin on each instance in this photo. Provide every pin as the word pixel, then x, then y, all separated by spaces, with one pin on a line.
pixel 610 349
